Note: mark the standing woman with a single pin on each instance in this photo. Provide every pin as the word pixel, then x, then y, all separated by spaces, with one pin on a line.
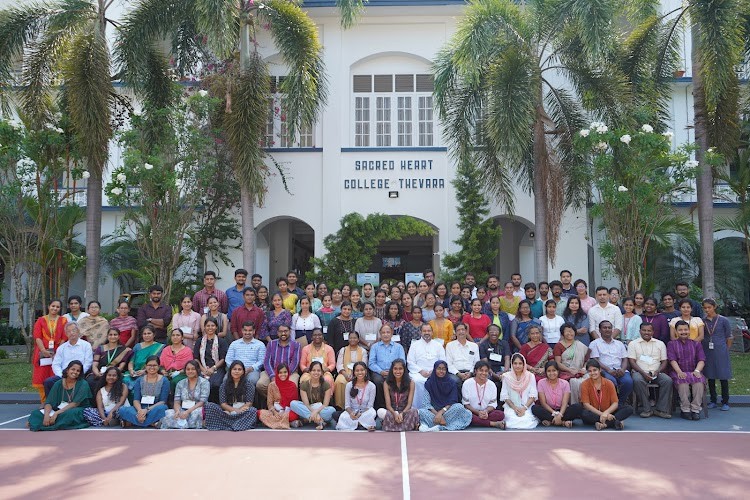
pixel 304 322
pixel 657 319
pixel 394 317
pixel 94 327
pixel 345 360
pixel 126 324
pixel 220 319
pixel 519 393
pixel 456 310
pixel 289 299
pixel 281 393
pixel 49 333
pixel 65 403
pixel 111 395
pixel 520 325
pixel 187 321
pixel 346 292
pixel 337 298
pixel 174 357
pixel 407 305
pixel 551 323
pixel 315 303
pixel 639 298
pixel 686 315
pixel 412 329
pixel 476 321
pixel 341 327
pixel 553 407
pixel 398 389
pixel 315 394
pixel 326 314
pixel 716 345
pixel 189 397
pixel 141 352
pixel 380 304
pixel 441 294
pixel 368 326
pixel 411 288
pixel 631 322
pixel 276 317
pixel 441 408
pixel 357 305
pixel 149 398
pixel 74 309
pixel 235 410
pixel 262 299
pixel 360 398
pixel 210 352
pixel 111 354
pixel 442 329
pixel 428 307
pixel 321 290
pixel 396 295
pixel 574 314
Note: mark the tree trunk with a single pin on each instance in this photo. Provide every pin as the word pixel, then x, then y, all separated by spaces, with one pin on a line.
pixel 248 229
pixel 705 181
pixel 93 235
pixel 540 209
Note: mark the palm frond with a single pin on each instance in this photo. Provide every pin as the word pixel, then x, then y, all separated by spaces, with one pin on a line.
pixel 220 21
pixel 592 21
pixel 350 10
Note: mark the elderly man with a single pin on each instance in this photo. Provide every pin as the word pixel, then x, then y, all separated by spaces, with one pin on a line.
pixel 382 354
pixel 461 355
pixel 613 358
pixel 421 360
pixel 74 349
pixel 687 360
pixel 648 360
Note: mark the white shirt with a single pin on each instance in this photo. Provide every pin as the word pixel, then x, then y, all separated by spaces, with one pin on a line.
pixel 610 354
pixel 477 396
pixel 422 355
pixel 71 319
pixel 461 357
pixel 551 328
pixel 520 293
pixel 610 312
pixel 67 352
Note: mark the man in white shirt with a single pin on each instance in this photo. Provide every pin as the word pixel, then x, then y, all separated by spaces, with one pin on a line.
pixel 461 356
pixel 648 360
pixel 519 292
pixel 603 310
pixel 249 350
pixel 613 358
pixel 421 360
pixel 74 349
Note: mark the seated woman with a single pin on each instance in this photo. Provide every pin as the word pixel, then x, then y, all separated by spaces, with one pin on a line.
pixel 553 406
pixel 599 400
pixel 210 351
pixel 441 410
pixel 360 398
pixel 479 396
pixel 65 403
pixel 536 352
pixel 318 350
pixel 149 398
pixel 281 393
pixel 519 393
pixel 315 394
pixel 111 395
pixel 235 411
pixel 344 364
pixel 174 357
pixel 190 396
pixel 571 356
pixel 111 354
pixel 398 390
pixel 94 327
pixel 141 352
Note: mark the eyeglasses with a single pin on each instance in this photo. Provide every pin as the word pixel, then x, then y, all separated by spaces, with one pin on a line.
pixel 152 366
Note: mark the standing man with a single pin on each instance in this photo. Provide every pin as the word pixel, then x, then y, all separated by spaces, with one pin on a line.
pixel 74 349
pixel 613 358
pixel 557 296
pixel 247 312
pixel 429 277
pixel 614 298
pixel 291 280
pixel 568 290
pixel 544 292
pixel 471 281
pixel 235 293
pixel 519 292
pixel 493 287
pixel 280 350
pixel 687 360
pixel 382 354
pixel 200 299
pixel 155 314
pixel 421 360
pixel 537 306
pixel 249 350
pixel 604 310
pixel 256 281
pixel 648 360
pixel 682 290
pixel 669 312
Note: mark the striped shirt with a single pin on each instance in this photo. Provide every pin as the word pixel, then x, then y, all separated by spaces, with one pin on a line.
pixel 277 353
pixel 250 353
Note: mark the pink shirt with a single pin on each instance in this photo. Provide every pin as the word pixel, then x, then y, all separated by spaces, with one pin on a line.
pixel 553 395
pixel 171 361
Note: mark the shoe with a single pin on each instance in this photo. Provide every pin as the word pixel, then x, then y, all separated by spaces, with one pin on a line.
pixel 686 415
pixel 725 407
pixel 423 428
pixel 696 416
pixel 646 414
pixel 712 405
pixel 662 414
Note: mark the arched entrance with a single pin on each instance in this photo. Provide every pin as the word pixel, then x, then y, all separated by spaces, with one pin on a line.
pixel 413 254
pixel 286 244
pixel 516 248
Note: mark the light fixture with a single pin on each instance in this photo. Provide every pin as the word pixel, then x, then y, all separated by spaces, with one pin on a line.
pixel 392 194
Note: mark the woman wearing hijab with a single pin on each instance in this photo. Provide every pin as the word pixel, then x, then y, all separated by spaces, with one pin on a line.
pixel 519 393
pixel 441 409
pixel 360 399
pixel 281 392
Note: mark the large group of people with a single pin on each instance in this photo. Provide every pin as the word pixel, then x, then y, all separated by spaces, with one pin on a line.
pixel 411 356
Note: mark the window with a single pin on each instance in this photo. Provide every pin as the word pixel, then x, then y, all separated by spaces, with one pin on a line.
pixel 277 133
pixel 394 110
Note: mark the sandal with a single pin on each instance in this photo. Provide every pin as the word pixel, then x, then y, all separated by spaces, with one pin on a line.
pixel 568 424
pixel 371 429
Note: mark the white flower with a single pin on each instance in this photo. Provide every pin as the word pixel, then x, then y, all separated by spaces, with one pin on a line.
pixel 203 93
pixel 148 166
pixel 668 134
pixel 85 174
pixel 59 130
pixel 584 133
pixel 625 139
pixel 691 164
pixel 117 191
pixel 601 129
pixel 711 150
pixel 602 146
pixel 647 128
pixel 136 113
pixel 595 125
pixel 121 177
pixel 622 189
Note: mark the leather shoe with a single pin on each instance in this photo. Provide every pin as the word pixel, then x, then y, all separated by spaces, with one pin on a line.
pixel 696 416
pixel 686 415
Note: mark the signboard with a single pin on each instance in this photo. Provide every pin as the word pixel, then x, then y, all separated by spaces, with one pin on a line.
pixel 372 278
pixel 394 175
pixel 415 277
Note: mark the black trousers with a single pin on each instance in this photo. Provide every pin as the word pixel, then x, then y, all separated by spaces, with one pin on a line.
pixel 724 390
pixel 623 412
pixel 572 412
pixel 378 380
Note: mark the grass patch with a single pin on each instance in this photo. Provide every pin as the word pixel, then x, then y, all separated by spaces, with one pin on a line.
pixel 15 376
pixel 740 384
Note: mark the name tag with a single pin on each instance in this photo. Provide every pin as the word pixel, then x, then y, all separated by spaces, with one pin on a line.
pixel 62 405
pixel 646 358
pixel 238 405
pixel 50 413
pixel 318 359
pixel 396 338
pixel 370 337
pixel 186 329
pixel 350 366
pixel 325 330
pixel 710 345
pixel 496 357
pixel 45 361
pixel 186 405
pixel 471 353
pixel 148 400
pixel 346 335
pixel 205 310
pixel 51 344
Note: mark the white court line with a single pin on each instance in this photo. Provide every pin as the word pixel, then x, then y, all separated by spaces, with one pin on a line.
pixel 19 418
pixel 405 468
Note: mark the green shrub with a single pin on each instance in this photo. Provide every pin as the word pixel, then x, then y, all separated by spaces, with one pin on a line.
pixel 11 335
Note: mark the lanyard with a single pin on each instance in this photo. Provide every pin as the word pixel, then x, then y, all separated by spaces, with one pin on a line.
pixel 360 397
pixel 711 330
pixel 70 393
pixel 111 358
pixel 52 327
pixel 598 397
pixel 397 396
pixel 484 388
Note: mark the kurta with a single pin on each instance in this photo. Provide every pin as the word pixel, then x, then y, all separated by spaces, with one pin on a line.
pixel 48 332
pixel 69 419
pixel 513 421
pixel 182 393
pixel 219 420
pixel 718 365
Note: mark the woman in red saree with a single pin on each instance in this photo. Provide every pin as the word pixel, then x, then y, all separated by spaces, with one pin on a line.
pixel 49 333
pixel 536 351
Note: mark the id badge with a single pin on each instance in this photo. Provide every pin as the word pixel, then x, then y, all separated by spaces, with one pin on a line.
pixel 186 405
pixel 186 329
pixel 325 330
pixel 148 400
pixel 350 366
pixel 277 406
pixel 370 337
pixel 238 405
pixel 62 405
pixel 205 310
pixel 318 359
pixel 710 345
pixel 396 338
pixel 51 344
pixel 346 336
pixel 496 357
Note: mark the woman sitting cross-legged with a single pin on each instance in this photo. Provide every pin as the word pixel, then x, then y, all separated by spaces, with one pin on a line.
pixel 65 403
pixel 600 402
pixel 441 409
pixel 360 398
pixel 281 393
pixel 235 411
pixel 149 398
pixel 111 395
pixel 519 393
pixel 315 395
pixel 479 396
pixel 190 396
pixel 553 406
pixel 398 390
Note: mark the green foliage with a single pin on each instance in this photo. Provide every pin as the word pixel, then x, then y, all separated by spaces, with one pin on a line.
pixel 351 249
pixel 478 241
pixel 11 335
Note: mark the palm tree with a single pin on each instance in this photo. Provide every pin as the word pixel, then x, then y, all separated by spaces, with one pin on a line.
pixel 228 30
pixel 63 49
pixel 498 91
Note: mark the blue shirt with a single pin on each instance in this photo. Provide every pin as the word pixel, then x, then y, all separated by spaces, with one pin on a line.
pixel 235 298
pixel 250 353
pixel 537 309
pixel 382 355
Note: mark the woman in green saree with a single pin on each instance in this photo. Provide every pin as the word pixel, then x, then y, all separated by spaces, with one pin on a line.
pixel 141 352
pixel 65 402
